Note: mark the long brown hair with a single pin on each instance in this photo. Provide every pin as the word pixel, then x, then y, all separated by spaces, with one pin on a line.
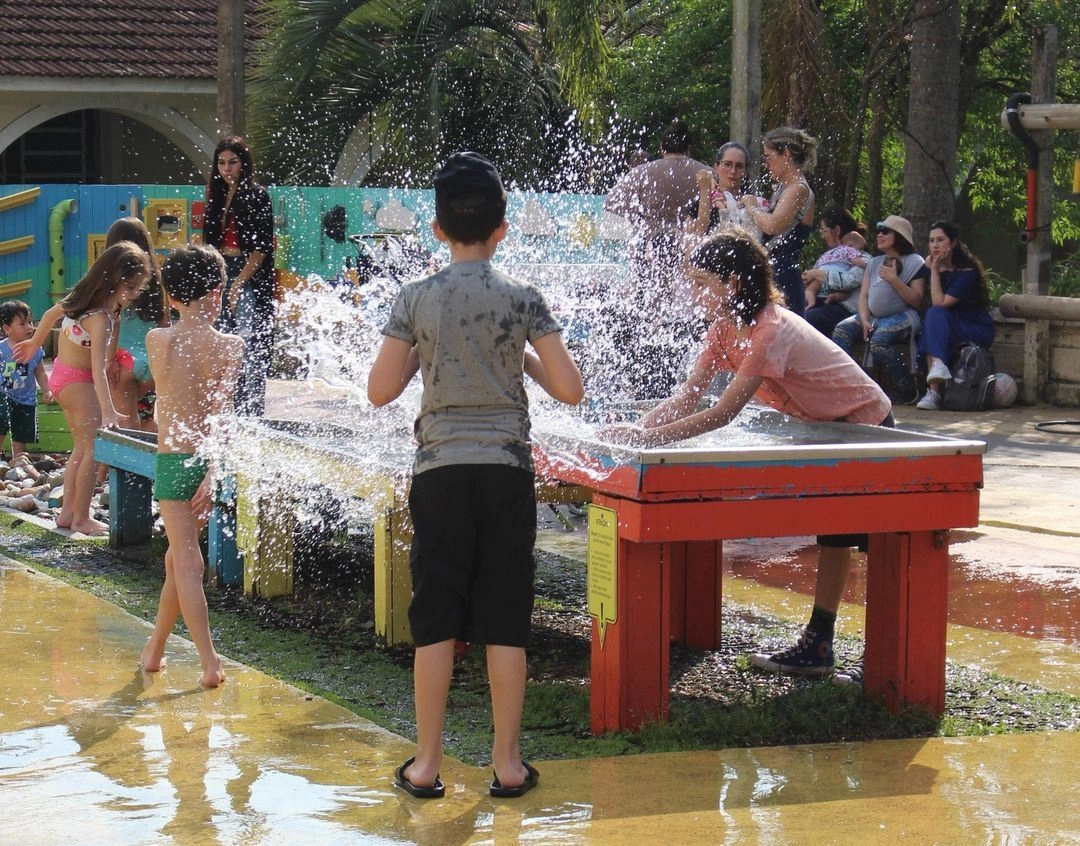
pixel 150 305
pixel 114 267
pixel 735 252
pixel 961 258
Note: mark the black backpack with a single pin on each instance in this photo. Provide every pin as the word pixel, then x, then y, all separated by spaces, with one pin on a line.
pixel 972 385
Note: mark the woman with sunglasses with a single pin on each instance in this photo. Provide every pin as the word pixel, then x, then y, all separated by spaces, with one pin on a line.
pixel 718 191
pixel 890 299
pixel 239 222
pixel 784 222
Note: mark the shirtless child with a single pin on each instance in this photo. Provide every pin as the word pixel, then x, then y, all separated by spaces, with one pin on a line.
pixel 195 368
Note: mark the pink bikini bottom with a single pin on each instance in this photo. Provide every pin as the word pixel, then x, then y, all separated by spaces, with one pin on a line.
pixel 63 375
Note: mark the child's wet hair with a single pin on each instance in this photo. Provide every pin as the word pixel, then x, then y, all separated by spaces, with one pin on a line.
pixel 735 253
pixel 150 305
pixel 191 272
pixel 116 266
pixel 11 310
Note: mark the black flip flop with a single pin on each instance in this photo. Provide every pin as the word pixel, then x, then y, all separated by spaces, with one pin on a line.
pixel 531 780
pixel 434 791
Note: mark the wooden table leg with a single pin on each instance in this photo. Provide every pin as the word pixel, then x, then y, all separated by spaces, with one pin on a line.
pixel 907 596
pixel 630 669
pixel 696 592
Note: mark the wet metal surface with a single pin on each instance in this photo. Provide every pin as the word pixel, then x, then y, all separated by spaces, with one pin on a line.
pixel 94 752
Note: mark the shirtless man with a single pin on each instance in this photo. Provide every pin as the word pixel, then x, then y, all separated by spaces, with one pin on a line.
pixel 195 368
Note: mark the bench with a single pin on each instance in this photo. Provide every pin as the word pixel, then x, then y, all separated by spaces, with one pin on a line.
pixel 129 455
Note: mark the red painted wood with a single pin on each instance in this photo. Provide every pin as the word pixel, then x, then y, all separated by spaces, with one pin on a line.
pixel 704 591
pixel 796 515
pixel 671 524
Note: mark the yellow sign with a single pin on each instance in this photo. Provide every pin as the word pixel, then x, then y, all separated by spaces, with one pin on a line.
pixel 603 565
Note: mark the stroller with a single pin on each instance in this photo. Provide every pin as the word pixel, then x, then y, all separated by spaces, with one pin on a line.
pixel 393 255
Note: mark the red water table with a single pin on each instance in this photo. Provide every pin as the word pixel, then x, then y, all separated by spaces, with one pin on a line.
pixel 674 506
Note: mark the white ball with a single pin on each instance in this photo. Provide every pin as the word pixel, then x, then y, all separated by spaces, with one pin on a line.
pixel 1004 390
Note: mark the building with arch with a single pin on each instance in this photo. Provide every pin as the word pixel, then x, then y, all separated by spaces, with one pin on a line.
pixel 112 91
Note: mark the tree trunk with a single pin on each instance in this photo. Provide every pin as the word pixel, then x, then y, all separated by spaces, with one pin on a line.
pixel 874 164
pixel 932 126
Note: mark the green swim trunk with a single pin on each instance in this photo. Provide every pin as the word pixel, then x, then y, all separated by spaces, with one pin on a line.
pixel 177 475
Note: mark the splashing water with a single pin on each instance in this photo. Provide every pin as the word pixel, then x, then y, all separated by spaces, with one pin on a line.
pixel 339 458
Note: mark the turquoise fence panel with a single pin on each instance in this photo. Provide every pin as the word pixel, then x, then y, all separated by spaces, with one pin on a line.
pixel 545 228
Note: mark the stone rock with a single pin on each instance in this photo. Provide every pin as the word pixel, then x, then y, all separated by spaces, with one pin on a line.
pixel 27 504
pixel 56 497
pixel 103 498
pixel 16 474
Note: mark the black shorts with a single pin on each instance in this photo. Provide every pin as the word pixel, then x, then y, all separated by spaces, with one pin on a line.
pixel 20 420
pixel 861 540
pixel 474 527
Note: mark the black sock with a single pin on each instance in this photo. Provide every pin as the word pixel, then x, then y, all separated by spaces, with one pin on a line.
pixel 822 622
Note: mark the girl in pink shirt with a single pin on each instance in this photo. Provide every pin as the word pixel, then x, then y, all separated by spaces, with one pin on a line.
pixel 774 354
pixel 787 364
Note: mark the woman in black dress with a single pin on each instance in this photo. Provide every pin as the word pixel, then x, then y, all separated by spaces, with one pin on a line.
pixel 239 222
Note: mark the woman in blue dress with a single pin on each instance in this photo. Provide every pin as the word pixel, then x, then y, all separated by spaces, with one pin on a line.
pixel 959 310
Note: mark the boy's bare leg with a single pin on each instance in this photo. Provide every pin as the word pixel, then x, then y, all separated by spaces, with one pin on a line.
pixel 506 676
pixel 153 653
pixel 834 563
pixel 433 666
pixel 182 530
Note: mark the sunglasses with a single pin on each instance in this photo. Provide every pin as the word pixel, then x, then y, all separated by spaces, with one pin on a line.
pixel 884 230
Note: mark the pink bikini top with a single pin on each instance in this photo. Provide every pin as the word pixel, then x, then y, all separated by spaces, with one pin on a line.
pixel 73 329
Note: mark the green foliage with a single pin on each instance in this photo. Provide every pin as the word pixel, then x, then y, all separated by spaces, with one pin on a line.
pixel 679 66
pixel 424 77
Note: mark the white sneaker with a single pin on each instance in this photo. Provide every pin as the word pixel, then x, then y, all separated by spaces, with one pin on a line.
pixel 938 373
pixel 931 401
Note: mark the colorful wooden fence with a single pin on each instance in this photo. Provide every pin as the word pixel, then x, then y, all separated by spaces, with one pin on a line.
pixel 546 228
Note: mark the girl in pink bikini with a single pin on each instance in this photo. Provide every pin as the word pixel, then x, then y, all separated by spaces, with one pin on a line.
pixel 90 314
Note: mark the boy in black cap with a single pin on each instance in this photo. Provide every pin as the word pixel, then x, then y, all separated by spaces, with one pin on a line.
pixel 472 499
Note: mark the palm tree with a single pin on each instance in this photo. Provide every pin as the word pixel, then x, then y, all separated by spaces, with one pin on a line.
pixel 343 84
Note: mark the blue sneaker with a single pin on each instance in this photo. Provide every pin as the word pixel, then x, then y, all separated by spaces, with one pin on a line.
pixel 812 655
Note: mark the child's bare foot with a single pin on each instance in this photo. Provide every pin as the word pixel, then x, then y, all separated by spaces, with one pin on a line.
pixel 151 662
pixel 64 519
pixel 213 675
pixel 89 526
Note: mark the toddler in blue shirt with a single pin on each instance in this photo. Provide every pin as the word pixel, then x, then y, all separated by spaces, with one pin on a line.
pixel 18 411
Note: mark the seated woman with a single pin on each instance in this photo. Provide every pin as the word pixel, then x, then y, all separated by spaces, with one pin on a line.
pixel 959 311
pixel 889 301
pixel 836 287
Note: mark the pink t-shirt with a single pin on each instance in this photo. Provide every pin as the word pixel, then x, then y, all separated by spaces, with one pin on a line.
pixel 805 374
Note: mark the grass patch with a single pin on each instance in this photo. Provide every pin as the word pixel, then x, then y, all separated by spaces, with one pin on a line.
pixel 322 640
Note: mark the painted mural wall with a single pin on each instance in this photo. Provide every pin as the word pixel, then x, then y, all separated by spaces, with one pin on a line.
pixel 47 242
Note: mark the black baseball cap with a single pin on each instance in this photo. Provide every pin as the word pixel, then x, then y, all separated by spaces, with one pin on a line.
pixel 468 181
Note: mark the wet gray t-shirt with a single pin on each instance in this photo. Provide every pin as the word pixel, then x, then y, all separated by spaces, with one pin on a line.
pixel 470 323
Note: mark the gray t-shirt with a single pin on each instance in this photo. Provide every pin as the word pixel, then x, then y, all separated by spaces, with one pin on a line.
pixel 470 323
pixel 883 300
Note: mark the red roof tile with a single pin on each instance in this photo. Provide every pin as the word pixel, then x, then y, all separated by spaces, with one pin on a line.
pixel 173 39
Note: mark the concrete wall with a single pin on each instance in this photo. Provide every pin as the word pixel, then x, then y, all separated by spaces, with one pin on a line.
pixel 1063 384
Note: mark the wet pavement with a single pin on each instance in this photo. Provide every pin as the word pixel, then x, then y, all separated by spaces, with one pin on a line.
pixel 94 752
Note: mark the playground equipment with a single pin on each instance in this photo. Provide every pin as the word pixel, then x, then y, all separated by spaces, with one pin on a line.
pixel 1023 116
pixel 57 215
pixel 655 560
pixel 14 245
